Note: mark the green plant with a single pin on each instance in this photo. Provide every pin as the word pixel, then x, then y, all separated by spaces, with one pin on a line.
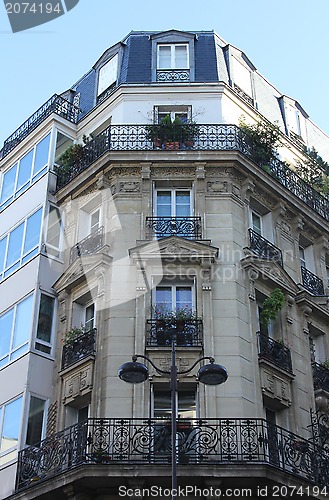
pixel 325 364
pixel 166 315
pixel 72 334
pixel 171 131
pixel 271 306
pixel 314 170
pixel 265 138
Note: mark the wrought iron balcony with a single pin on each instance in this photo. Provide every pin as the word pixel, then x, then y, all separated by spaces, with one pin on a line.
pixel 89 245
pixel 275 352
pixel 56 104
pixel 173 75
pixel 188 332
pixel 311 282
pixel 214 137
pixel 187 227
pixel 79 348
pixel 264 248
pixel 320 377
pixel 214 442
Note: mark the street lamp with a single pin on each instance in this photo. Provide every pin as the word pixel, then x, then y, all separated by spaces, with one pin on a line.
pixel 211 373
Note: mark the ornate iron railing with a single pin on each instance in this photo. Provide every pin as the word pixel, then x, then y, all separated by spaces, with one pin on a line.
pixel 203 441
pixel 264 248
pixel 243 94
pixel 56 104
pixel 311 282
pixel 79 348
pixel 320 377
pixel 89 245
pixel 187 227
pixel 275 352
pixel 206 137
pixel 187 332
pixel 173 75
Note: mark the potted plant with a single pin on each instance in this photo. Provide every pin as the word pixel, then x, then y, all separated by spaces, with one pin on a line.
pixel 171 134
pixel 271 306
pixel 265 138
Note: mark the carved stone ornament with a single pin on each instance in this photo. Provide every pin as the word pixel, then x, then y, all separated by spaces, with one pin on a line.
pixel 217 187
pixel 129 187
pixel 78 382
pixel 275 388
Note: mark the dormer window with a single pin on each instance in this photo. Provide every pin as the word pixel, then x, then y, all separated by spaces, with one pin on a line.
pixel 107 75
pixel 173 62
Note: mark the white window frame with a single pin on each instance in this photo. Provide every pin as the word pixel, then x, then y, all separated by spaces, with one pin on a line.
pixel 44 419
pixel 2 417
pixel 174 287
pixel 51 250
pixel 47 345
pixel 173 196
pixel 254 213
pixel 173 55
pixel 108 74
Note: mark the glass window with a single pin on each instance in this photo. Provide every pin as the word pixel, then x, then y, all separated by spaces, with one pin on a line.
pixel 15 330
pixel 28 166
pixel 45 319
pixel 35 421
pixel 90 317
pixel 8 184
pixel 186 404
pixel 174 297
pixel 256 222
pixel 3 244
pixel 107 74
pixel 11 425
pixel 54 228
pixel 302 257
pixel 15 246
pixel 32 234
pixel 173 56
pixel 94 221
pixel 173 203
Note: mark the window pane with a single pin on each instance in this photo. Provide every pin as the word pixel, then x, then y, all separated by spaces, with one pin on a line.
pixel 90 314
pixel 181 56
pixel 23 322
pixel 164 56
pixel 163 203
pixel 163 298
pixel 54 227
pixel 8 184
pixel 24 172
pixel 6 326
pixel 15 245
pixel 35 421
pixel 11 425
pixel 256 223
pixel 41 154
pixel 94 221
pixel 32 234
pixel 3 244
pixel 183 204
pixel 184 297
pixel 45 319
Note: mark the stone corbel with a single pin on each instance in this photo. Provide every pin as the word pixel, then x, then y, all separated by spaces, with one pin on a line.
pixel 206 274
pixel 306 314
pixel 63 305
pixel 102 182
pixel 100 275
pixel 252 275
pixel 141 276
pixel 248 188
pixel 289 301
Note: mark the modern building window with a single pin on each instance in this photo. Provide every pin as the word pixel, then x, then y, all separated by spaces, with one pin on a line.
pixel 35 423
pixel 10 424
pixel 108 74
pixel 54 232
pixel 20 245
pixel 173 56
pixel 25 172
pixel 15 330
pixel 45 323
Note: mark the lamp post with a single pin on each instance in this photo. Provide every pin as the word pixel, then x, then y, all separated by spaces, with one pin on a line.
pixel 209 374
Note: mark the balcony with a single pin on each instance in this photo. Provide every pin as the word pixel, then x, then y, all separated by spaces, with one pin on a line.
pixel 188 332
pixel 56 104
pixel 311 282
pixel 186 227
pixel 146 442
pixel 320 377
pixel 264 248
pixel 79 348
pixel 275 352
pixel 173 75
pixel 89 245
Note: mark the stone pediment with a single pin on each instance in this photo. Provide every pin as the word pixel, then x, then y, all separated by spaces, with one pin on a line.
pixel 175 248
pixel 268 270
pixel 81 270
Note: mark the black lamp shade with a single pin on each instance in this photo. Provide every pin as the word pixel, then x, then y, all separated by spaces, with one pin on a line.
pixel 212 374
pixel 133 372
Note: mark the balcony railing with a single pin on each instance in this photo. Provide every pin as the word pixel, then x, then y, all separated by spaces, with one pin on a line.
pixel 311 282
pixel 188 332
pixel 201 442
pixel 79 348
pixel 320 377
pixel 173 75
pixel 264 248
pixel 56 104
pixel 215 137
pixel 187 227
pixel 275 352
pixel 89 245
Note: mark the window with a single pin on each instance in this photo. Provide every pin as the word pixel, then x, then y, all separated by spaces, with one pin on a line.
pixel 89 316
pixel 186 403
pixel 90 218
pixel 108 74
pixel 173 56
pixel 10 423
pixel 54 231
pixel 242 76
pixel 174 297
pixel 45 323
pixel 256 222
pixel 84 312
pixel 35 423
pixel 95 221
pixel 302 257
pixel 173 202
pixel 184 113
pixel 20 245
pixel 25 172
pixel 15 330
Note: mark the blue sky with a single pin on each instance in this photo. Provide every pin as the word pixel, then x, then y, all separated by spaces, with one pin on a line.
pixel 287 41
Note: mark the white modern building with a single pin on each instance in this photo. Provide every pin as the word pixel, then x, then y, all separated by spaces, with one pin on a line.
pixel 127 241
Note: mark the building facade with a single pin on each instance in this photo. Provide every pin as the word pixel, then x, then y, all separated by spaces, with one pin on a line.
pixel 140 205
